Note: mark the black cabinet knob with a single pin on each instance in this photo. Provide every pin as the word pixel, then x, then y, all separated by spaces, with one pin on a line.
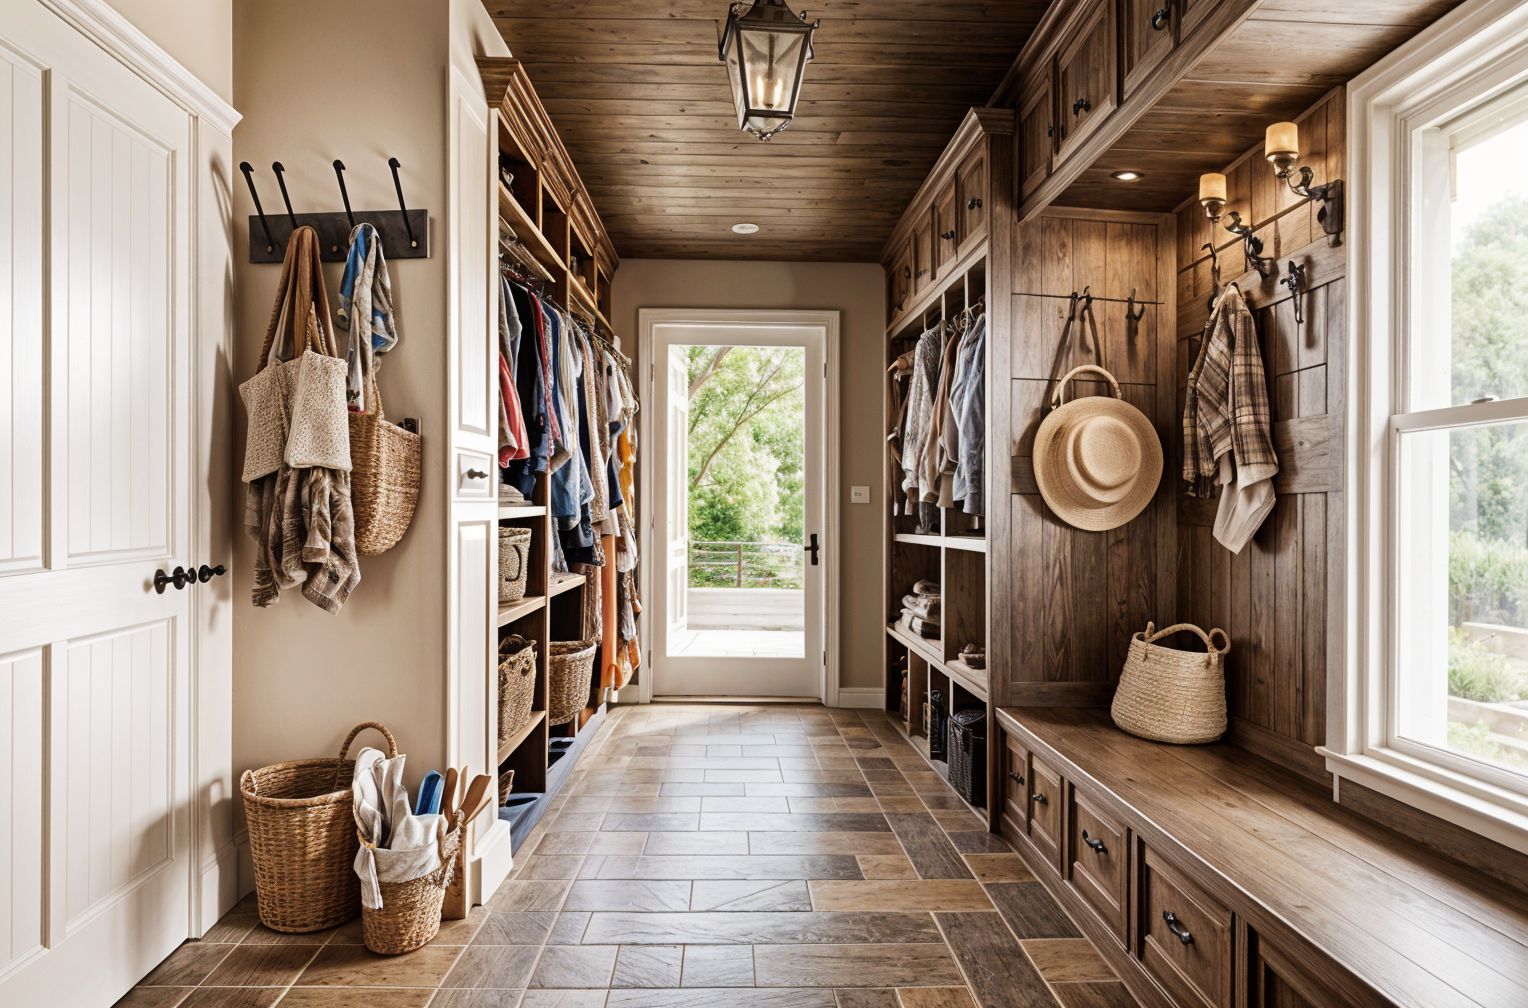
pixel 1182 933
pixel 1016 777
pixel 1160 18
pixel 974 203
pixel 1080 106
pixel 947 235
pixel 1039 798
pixel 205 573
pixel 1094 843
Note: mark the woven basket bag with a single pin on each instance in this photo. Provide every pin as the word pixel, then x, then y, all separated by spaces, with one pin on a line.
pixel 517 684
pixel 1169 695
pixel 303 841
pixel 409 916
pixel 384 475
pixel 572 670
pixel 514 562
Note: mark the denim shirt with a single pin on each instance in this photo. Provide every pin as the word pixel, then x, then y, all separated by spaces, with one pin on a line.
pixel 968 396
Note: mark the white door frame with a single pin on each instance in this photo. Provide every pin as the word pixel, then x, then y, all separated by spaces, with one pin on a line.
pixel 648 319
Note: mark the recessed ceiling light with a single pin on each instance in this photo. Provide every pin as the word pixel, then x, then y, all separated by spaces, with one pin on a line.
pixel 1127 175
pixel 746 228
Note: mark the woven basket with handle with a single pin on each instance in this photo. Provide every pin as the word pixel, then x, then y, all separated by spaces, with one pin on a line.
pixel 517 684
pixel 514 562
pixel 1169 695
pixel 409 916
pixel 384 475
pixel 302 838
pixel 571 672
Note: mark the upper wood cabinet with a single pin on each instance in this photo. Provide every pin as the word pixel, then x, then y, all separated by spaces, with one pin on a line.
pixel 971 198
pixel 923 252
pixel 947 235
pixel 1148 31
pixel 1087 84
pixel 1037 133
pixel 899 278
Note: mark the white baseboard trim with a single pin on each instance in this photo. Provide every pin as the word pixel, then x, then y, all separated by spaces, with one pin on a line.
pixel 864 697
pixel 219 889
pixel 494 859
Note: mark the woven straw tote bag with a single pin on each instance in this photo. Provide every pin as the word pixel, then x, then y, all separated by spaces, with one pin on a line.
pixel 385 474
pixel 303 841
pixel 1169 695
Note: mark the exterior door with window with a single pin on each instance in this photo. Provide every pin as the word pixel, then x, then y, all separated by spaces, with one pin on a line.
pixel 96 803
pixel 739 409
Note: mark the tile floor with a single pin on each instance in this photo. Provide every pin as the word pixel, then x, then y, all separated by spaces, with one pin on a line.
pixel 707 857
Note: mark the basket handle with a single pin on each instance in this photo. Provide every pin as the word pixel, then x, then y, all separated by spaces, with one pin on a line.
pixel 519 563
pixel 1151 637
pixel 1059 395
pixel 247 782
pixel 392 746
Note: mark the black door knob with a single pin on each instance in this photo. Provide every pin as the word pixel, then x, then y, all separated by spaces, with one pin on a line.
pixel 974 203
pixel 205 573
pixel 180 577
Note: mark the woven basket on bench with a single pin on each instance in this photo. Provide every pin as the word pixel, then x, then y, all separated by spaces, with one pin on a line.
pixel 1169 695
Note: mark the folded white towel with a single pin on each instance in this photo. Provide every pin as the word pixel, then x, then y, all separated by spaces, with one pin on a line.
pixel 397 845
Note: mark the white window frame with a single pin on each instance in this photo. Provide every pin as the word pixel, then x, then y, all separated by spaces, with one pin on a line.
pixel 1475 50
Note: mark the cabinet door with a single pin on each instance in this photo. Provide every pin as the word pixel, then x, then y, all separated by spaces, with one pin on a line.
pixel 1147 34
pixel 899 282
pixel 1281 978
pixel 1190 13
pixel 923 252
pixel 946 230
pixel 1015 786
pixel 1037 135
pixel 1099 856
pixel 971 193
pixel 1044 810
pixel 1185 936
pixel 1085 77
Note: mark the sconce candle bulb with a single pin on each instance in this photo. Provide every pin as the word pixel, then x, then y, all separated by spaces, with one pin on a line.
pixel 1212 194
pixel 1281 146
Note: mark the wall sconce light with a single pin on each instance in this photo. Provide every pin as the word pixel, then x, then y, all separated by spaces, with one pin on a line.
pixel 1281 146
pixel 1212 196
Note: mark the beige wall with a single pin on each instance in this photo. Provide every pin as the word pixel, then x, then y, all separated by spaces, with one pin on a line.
pixel 302 677
pixel 856 290
pixel 197 33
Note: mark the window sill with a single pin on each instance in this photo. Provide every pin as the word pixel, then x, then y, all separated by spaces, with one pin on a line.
pixel 1494 813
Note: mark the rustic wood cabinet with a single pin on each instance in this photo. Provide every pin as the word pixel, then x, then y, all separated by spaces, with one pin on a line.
pixel 947 220
pixel 1099 860
pixel 1190 13
pixel 971 198
pixel 1148 30
pixel 1036 133
pixel 1185 935
pixel 1087 83
pixel 899 278
pixel 923 253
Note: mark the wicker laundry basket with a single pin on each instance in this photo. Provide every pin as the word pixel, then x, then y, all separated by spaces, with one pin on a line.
pixel 1169 695
pixel 572 670
pixel 409 916
pixel 517 684
pixel 514 562
pixel 302 839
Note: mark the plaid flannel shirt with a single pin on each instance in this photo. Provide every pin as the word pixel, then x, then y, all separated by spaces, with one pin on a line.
pixel 1227 407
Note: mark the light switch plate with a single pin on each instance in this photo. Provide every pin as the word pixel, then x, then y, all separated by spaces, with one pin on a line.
pixel 859 495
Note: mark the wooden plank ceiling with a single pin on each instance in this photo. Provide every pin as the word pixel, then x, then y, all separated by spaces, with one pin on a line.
pixel 642 103
pixel 1273 66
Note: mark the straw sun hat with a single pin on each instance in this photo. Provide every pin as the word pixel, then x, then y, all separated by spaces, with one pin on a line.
pixel 1097 459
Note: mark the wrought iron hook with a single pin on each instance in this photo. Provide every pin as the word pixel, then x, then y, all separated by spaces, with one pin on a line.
pixel 281 181
pixel 339 174
pixel 1134 312
pixel 1253 247
pixel 249 180
pixel 1209 247
pixel 1295 281
pixel 392 163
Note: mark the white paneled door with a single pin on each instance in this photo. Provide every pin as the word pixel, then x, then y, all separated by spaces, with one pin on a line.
pixel 95 427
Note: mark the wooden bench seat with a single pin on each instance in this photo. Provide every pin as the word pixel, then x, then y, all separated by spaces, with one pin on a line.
pixel 1295 900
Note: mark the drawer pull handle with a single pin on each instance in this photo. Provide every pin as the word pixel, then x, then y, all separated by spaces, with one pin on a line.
pixel 476 474
pixel 1038 798
pixel 1183 934
pixel 1159 19
pixel 1094 843
pixel 1016 777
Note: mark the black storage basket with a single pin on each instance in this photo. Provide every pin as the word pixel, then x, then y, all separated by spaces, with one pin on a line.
pixel 938 723
pixel 968 755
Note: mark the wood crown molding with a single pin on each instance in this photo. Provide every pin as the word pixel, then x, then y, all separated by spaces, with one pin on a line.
pixel 981 120
pixel 113 33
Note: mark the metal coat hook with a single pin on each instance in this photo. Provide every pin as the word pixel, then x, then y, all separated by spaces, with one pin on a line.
pixel 1214 274
pixel 392 163
pixel 1295 281
pixel 1071 309
pixel 281 181
pixel 339 174
pixel 1253 246
pixel 249 180
pixel 1134 312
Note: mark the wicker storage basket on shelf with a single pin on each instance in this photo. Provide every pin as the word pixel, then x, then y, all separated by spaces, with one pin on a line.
pixel 572 670
pixel 514 562
pixel 506 786
pixel 1169 695
pixel 302 839
pixel 409 916
pixel 968 755
pixel 517 684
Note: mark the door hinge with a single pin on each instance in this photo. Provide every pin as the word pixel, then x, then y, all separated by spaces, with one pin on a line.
pixel 824 657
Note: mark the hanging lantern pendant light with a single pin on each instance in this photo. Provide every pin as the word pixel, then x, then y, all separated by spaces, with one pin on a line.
pixel 766 48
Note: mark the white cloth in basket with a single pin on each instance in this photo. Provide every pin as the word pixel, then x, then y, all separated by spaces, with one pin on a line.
pixel 397 846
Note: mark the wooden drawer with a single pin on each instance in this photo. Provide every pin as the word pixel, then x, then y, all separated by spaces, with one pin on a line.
pixel 1015 786
pixel 971 196
pixel 1044 810
pixel 1099 859
pixel 1184 936
pixel 946 228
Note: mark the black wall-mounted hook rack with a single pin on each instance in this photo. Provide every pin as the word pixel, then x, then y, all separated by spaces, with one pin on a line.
pixel 249 180
pixel 1252 245
pixel 405 233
